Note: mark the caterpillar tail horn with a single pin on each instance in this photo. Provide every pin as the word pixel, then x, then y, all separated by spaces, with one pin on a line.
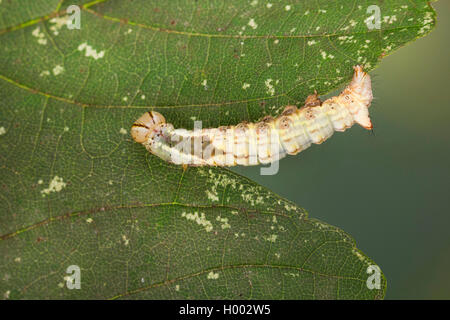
pixel 360 89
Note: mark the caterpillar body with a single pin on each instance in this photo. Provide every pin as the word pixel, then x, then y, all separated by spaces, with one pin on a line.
pixel 262 142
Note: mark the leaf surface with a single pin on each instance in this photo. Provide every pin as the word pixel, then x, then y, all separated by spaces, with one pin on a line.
pixel 76 190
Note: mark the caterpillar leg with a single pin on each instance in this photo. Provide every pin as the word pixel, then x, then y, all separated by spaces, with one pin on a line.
pixel 289 110
pixel 313 100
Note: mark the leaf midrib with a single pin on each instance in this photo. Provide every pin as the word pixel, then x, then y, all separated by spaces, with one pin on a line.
pixel 244 266
pixel 212 104
pixel 86 8
pixel 133 206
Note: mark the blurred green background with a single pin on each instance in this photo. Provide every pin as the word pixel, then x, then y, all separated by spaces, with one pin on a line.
pixel 391 190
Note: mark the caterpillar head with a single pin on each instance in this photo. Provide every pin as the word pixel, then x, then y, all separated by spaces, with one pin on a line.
pixel 148 123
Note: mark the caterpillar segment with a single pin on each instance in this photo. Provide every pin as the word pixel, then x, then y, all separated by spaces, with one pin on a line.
pixel 266 141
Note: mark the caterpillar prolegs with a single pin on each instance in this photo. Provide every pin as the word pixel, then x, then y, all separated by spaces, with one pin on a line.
pixel 262 142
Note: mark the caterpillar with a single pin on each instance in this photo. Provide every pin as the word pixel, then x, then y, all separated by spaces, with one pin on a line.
pixel 262 142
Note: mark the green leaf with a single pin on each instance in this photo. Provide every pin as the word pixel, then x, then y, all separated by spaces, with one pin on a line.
pixel 76 190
